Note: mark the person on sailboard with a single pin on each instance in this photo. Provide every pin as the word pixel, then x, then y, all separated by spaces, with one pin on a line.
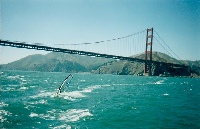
pixel 67 81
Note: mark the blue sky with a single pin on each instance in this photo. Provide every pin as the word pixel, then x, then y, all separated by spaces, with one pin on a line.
pixel 77 21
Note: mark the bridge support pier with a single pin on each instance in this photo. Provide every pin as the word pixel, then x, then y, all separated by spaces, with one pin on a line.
pixel 148 53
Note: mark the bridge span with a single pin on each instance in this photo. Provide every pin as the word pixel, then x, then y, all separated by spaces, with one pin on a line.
pixel 85 53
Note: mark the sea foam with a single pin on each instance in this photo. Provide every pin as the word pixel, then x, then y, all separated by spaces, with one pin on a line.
pixel 73 115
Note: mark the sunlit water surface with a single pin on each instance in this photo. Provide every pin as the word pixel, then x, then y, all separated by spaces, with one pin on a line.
pixel 27 100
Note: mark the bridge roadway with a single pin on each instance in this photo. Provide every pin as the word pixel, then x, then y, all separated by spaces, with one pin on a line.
pixel 92 54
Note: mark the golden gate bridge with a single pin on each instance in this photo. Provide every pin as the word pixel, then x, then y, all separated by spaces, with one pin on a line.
pixel 130 45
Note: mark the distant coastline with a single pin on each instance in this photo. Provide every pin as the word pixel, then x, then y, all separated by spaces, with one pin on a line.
pixel 60 62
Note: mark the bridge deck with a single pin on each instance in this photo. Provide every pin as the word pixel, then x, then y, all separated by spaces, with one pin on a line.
pixel 92 54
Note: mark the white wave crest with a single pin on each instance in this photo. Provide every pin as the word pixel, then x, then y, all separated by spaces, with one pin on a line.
pixel 43 94
pixel 68 95
pixel 91 88
pixel 73 94
pixel 23 88
pixel 78 94
pixel 13 77
pixel 70 115
pixel 65 126
pixel 2 104
pixel 159 82
pixel 166 94
pixel 33 114
pixel 38 102
pixel 73 115
pixel 4 113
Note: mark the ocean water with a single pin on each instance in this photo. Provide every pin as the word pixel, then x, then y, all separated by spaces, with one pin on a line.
pixel 92 101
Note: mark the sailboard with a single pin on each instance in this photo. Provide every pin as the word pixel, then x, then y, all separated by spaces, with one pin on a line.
pixel 65 83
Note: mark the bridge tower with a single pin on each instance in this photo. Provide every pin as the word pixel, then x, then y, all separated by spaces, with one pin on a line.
pixel 148 53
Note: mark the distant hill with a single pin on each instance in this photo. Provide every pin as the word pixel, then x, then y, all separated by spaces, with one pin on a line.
pixel 56 62
pixel 135 68
pixel 195 66
pixel 61 62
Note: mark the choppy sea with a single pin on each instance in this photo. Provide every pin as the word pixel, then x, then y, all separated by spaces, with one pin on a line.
pixel 93 101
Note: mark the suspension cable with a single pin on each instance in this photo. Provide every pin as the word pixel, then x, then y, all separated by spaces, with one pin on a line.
pixel 109 40
pixel 163 46
pixel 167 46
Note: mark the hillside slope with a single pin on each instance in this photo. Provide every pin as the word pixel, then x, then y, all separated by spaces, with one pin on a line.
pixel 28 63
pixel 135 68
pixel 61 62
pixel 56 62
